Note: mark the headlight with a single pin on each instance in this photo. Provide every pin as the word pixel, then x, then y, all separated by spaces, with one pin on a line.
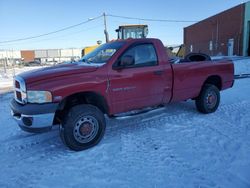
pixel 39 96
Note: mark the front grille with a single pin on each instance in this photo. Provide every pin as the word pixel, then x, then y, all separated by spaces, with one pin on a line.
pixel 19 90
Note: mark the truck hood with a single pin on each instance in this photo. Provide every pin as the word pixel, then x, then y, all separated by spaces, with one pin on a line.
pixel 56 71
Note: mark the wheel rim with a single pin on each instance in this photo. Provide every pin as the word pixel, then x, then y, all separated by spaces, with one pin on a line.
pixel 211 99
pixel 86 129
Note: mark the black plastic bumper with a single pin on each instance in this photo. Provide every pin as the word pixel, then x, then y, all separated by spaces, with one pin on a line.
pixel 33 109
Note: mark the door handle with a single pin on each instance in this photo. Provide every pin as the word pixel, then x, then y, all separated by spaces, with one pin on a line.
pixel 159 72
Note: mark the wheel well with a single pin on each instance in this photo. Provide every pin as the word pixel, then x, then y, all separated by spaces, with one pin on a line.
pixel 80 98
pixel 214 80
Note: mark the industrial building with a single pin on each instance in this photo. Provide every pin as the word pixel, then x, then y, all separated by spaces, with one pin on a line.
pixel 43 55
pixel 226 33
pixel 57 55
pixel 52 55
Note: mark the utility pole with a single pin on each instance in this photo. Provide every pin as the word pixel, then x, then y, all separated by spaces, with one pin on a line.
pixel 105 28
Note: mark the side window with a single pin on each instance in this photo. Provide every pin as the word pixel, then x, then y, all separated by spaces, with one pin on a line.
pixel 144 55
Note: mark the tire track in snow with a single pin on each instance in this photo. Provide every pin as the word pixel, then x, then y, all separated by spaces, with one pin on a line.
pixel 182 124
pixel 25 142
pixel 181 116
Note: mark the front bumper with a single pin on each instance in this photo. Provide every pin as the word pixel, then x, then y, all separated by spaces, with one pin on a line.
pixel 34 117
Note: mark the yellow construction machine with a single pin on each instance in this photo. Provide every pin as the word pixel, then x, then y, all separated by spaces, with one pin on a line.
pixel 123 32
pixel 132 31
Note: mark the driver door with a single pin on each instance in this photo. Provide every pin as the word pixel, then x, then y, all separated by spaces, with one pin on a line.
pixel 137 85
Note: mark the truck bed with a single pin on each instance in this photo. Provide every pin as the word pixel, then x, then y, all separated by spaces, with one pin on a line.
pixel 188 77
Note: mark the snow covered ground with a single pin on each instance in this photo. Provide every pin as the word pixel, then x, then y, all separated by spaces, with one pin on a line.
pixel 173 146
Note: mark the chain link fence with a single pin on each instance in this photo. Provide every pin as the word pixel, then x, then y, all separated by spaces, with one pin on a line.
pixel 7 67
pixel 11 67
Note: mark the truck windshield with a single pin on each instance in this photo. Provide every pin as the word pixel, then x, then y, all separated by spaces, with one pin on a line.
pixel 102 54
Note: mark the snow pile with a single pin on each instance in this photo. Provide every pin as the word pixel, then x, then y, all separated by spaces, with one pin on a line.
pixel 242 66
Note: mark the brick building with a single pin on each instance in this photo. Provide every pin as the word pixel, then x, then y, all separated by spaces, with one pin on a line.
pixel 226 33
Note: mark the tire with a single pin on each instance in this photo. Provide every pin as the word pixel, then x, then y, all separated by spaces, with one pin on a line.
pixel 83 127
pixel 208 100
pixel 197 57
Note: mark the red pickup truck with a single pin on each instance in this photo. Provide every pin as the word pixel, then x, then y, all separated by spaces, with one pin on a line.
pixel 117 77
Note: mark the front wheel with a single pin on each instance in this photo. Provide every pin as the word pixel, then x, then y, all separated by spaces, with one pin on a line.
pixel 208 100
pixel 83 127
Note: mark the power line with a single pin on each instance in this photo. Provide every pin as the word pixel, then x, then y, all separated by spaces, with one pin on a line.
pixel 89 20
pixel 52 38
pixel 52 32
pixel 148 19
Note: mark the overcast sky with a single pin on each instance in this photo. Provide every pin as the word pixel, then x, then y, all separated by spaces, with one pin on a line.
pixel 26 18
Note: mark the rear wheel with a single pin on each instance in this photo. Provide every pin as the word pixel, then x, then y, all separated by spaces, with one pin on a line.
pixel 208 100
pixel 83 127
